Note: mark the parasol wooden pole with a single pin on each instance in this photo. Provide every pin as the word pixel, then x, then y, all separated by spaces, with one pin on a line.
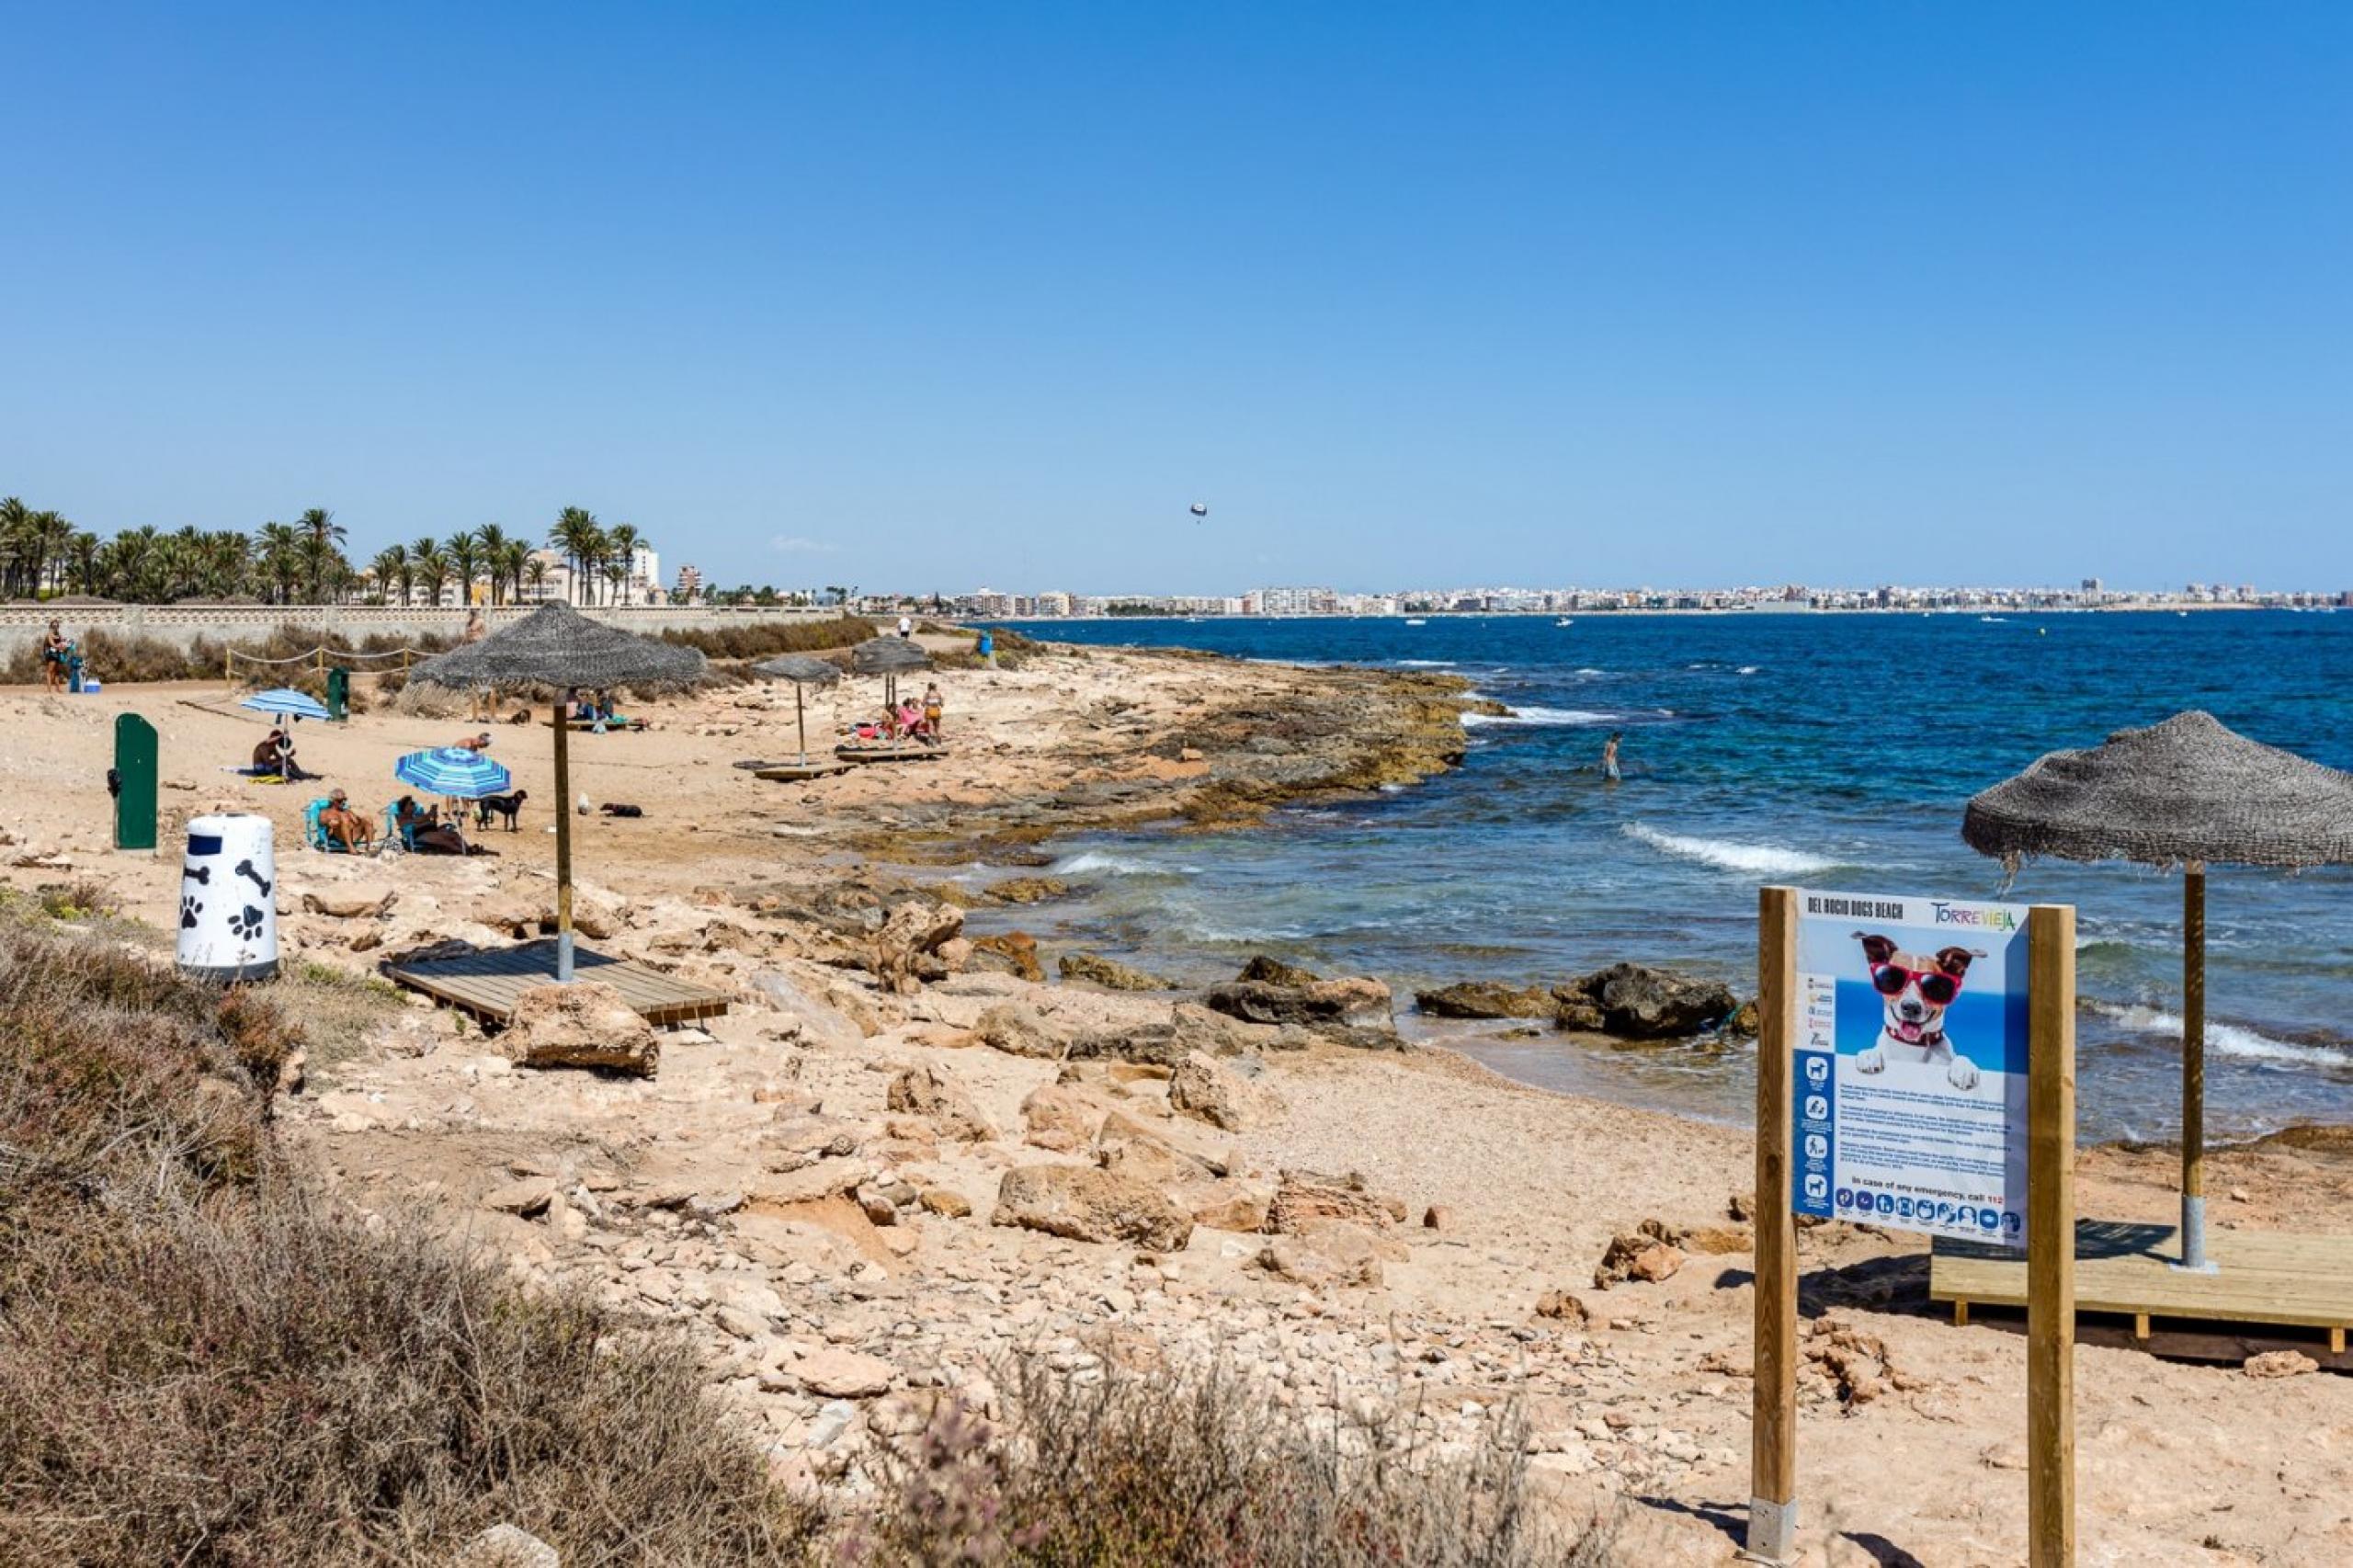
pixel 801 722
pixel 2193 1067
pixel 562 840
pixel 1773 1413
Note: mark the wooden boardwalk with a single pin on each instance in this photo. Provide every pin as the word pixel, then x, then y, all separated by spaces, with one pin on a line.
pixel 2261 1277
pixel 488 984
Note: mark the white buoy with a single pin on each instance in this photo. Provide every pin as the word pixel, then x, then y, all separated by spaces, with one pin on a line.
pixel 229 900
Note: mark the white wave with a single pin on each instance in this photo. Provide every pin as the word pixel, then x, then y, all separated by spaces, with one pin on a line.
pixel 1424 664
pixel 1750 669
pixel 1762 860
pixel 1588 670
pixel 2227 1040
pixel 1559 718
pixel 1103 863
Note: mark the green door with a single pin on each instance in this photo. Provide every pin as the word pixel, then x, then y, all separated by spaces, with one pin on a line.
pixel 134 782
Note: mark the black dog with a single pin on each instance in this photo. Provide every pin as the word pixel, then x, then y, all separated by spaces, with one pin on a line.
pixel 613 809
pixel 506 806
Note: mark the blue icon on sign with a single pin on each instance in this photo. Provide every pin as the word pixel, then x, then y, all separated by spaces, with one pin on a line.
pixel 1903 1207
pixel 1886 1204
pixel 1817 1109
pixel 1817 1188
pixel 2010 1221
pixel 1845 1198
pixel 1987 1219
pixel 1817 1069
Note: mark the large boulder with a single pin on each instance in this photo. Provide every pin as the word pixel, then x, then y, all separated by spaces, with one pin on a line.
pixel 1060 1117
pixel 1086 1204
pixel 1218 1094
pixel 930 1091
pixel 1326 1006
pixel 1018 1030
pixel 584 1024
pixel 1637 1002
pixel 1093 969
pixel 1007 953
pixel 1306 1199
pixel 1486 999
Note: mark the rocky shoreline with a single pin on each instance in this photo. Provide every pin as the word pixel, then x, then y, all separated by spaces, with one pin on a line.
pixel 907 1161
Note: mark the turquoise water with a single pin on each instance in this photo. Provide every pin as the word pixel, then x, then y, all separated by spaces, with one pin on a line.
pixel 1767 748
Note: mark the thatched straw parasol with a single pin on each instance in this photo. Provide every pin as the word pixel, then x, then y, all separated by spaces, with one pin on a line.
pixel 802 670
pixel 889 657
pixel 556 645
pixel 2187 792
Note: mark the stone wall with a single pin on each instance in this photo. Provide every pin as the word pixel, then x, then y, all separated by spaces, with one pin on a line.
pixel 183 624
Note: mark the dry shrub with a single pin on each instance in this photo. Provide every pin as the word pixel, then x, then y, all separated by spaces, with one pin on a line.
pixel 204 1362
pixel 766 638
pixel 1198 1473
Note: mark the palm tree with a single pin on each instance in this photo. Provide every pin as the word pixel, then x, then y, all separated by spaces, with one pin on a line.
pixel 419 548
pixel 321 536
pixel 513 558
pixel 622 543
pixel 493 540
pixel 535 572
pixel 432 569
pixel 464 550
pixel 280 552
pixel 81 554
pixel 15 540
pixel 577 535
pixel 391 567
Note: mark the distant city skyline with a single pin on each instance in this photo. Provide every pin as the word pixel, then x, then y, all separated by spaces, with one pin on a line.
pixel 938 295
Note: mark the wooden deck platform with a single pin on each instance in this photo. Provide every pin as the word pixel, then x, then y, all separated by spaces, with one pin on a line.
pixel 488 984
pixel 798 773
pixel 2261 1277
pixel 902 753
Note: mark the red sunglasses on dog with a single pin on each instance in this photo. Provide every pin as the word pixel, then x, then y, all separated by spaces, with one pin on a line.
pixel 1936 987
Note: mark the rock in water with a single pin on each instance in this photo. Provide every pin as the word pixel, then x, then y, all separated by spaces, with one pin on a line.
pixel 1637 1002
pixel 1110 973
pixel 1486 999
pixel 1087 1205
pixel 1274 972
pixel 584 1024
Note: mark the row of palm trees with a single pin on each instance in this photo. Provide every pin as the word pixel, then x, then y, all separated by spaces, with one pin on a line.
pixel 303 561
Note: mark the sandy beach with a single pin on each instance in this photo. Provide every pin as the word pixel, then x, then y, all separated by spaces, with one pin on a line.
pixel 817 1184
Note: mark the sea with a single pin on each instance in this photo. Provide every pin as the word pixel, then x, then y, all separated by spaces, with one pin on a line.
pixel 1833 750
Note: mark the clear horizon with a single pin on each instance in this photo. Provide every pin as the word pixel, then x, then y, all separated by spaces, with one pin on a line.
pixel 935 299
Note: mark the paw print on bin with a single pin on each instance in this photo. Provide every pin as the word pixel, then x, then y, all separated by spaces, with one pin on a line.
pixel 245 924
pixel 189 910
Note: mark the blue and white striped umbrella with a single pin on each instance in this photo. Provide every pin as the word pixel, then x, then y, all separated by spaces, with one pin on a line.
pixel 454 771
pixel 287 703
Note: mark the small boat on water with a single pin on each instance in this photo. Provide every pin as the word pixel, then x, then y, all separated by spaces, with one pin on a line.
pixel 1564 620
pixel 1418 623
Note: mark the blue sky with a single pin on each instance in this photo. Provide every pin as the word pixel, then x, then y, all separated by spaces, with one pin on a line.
pixel 935 296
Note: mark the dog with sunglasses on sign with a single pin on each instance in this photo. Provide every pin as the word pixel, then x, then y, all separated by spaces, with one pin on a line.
pixel 1916 991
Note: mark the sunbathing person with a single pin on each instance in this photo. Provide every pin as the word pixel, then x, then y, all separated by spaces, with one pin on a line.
pixel 267 753
pixel 345 826
pixel 423 830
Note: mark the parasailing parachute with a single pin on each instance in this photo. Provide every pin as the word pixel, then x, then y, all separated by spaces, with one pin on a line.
pixel 1199 510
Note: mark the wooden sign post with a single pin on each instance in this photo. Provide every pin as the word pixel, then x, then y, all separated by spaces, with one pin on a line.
pixel 2050 1236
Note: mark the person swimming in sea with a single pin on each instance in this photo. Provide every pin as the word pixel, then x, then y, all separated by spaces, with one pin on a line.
pixel 1609 756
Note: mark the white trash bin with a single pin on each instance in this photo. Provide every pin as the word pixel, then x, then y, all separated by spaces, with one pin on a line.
pixel 228 900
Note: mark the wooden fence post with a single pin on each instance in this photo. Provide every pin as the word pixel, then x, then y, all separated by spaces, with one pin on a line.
pixel 1773 1458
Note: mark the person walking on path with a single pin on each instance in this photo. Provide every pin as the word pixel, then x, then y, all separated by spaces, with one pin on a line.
pixel 934 705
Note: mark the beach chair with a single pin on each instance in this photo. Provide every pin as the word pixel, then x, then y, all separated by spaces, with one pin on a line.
pixel 314 834
pixel 394 833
